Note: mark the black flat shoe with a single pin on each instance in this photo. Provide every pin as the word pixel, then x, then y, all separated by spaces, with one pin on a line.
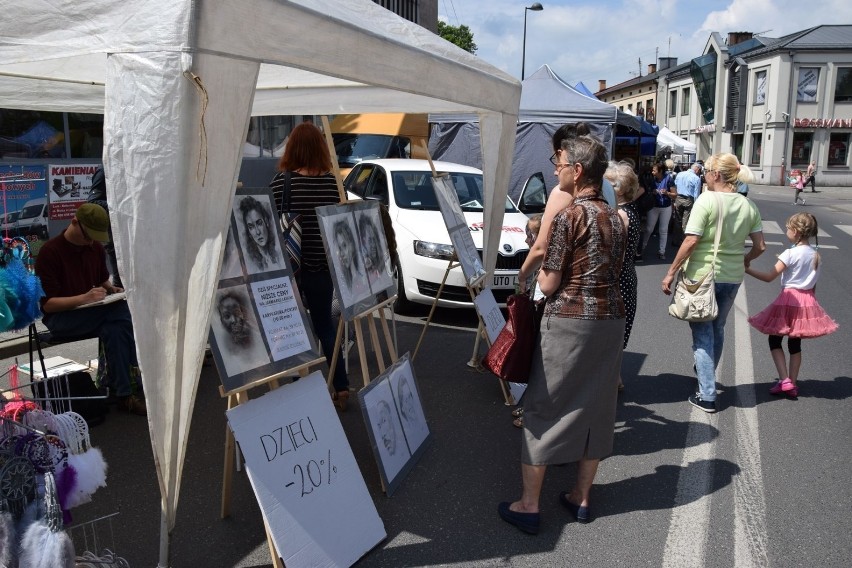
pixel 582 514
pixel 527 522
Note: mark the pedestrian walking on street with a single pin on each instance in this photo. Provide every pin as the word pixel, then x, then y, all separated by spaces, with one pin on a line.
pixel 570 401
pixel 811 179
pixel 740 218
pixel 662 210
pixel 688 187
pixel 800 185
pixel 795 312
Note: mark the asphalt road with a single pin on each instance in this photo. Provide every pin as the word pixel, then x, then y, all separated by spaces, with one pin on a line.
pixel 764 482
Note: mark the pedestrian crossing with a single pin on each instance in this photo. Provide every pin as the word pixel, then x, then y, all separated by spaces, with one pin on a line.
pixel 774 228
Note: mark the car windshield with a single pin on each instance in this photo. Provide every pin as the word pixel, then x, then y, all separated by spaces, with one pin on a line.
pixel 31 211
pixel 413 190
pixel 352 148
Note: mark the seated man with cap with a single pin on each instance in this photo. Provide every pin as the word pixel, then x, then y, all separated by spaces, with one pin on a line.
pixel 73 272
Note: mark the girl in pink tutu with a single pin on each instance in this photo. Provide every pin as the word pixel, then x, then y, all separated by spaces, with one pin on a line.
pixel 795 312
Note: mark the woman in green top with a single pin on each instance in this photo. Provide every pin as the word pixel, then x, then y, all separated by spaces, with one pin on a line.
pixel 740 219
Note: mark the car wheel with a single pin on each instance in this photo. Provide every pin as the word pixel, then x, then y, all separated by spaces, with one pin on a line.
pixel 402 305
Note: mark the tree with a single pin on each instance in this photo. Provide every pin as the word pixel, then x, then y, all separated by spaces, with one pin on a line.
pixel 459 35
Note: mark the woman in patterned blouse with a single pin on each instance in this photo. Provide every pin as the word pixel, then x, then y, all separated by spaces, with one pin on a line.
pixel 569 405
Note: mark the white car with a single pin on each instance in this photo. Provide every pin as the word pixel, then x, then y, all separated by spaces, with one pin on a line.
pixel 423 244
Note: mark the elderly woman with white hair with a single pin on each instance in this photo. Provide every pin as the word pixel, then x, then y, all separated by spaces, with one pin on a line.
pixel 626 185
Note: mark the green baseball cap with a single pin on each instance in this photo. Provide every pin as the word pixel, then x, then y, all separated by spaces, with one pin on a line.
pixel 95 220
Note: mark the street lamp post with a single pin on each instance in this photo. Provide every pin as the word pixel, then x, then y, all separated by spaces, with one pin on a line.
pixel 536 7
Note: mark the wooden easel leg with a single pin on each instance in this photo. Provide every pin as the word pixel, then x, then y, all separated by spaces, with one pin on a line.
pixel 377 347
pixel 276 559
pixel 507 396
pixel 432 310
pixel 474 362
pixel 362 353
pixel 332 365
pixel 228 470
pixel 388 338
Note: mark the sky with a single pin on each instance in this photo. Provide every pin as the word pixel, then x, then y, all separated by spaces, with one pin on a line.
pixel 585 40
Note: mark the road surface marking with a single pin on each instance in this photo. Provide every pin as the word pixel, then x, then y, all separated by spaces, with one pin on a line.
pixel 845 228
pixel 750 538
pixel 690 519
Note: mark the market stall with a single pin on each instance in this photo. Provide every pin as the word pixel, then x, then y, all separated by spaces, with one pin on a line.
pixel 177 83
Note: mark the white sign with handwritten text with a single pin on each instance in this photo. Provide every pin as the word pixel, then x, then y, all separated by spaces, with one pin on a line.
pixel 304 475
pixel 491 315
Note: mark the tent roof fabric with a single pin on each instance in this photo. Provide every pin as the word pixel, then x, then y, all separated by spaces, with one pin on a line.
pixel 546 98
pixel 668 139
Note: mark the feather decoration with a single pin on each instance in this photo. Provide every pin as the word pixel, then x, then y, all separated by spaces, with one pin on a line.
pixel 45 544
pixel 22 291
pixel 66 482
pixel 90 468
pixel 43 548
pixel 7 540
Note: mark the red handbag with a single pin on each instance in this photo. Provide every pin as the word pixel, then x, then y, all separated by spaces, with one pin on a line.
pixel 510 356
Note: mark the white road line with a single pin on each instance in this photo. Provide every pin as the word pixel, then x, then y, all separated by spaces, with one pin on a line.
pixel 690 519
pixel 750 538
pixel 845 228
pixel 772 228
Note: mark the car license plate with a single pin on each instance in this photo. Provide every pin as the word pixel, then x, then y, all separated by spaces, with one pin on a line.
pixel 502 282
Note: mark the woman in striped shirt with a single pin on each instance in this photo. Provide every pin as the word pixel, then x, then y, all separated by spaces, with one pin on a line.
pixel 313 185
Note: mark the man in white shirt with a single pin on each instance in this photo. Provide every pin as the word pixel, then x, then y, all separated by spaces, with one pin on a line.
pixel 688 184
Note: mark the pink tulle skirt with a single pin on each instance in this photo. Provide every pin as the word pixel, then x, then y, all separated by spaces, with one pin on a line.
pixel 795 313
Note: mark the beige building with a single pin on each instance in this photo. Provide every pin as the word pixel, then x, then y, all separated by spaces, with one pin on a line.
pixel 638 96
pixel 777 103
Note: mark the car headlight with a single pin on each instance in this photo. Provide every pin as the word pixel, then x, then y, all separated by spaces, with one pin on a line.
pixel 434 250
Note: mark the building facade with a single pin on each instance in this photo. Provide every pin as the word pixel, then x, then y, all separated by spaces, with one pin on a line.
pixel 777 103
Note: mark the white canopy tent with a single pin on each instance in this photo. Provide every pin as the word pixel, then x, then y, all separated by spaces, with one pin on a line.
pixel 666 139
pixel 177 81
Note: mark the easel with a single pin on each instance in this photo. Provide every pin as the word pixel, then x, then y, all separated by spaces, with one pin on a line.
pixel 473 289
pixel 368 316
pixel 240 396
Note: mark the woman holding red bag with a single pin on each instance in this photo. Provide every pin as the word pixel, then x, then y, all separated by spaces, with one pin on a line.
pixel 570 401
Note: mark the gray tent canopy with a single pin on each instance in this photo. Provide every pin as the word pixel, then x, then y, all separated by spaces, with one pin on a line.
pixel 547 102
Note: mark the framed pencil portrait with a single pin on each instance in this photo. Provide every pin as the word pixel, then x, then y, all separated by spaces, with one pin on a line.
pixel 358 257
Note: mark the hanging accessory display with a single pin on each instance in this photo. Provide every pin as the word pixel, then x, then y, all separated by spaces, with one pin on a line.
pixel 44 543
pixel 20 288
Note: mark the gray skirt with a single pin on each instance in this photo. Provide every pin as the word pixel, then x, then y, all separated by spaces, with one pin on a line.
pixel 569 405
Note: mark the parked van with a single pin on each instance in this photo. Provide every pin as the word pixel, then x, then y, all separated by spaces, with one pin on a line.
pixel 378 135
pixel 10 223
pixel 33 218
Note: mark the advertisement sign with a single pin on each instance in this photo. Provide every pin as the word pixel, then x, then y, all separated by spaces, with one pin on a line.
pixel 306 480
pixel 24 194
pixel 70 185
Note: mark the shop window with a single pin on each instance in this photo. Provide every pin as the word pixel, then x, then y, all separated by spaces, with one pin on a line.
pixel 673 103
pixel 86 133
pixel 802 146
pixel 838 149
pixel 31 134
pixel 760 88
pixel 843 89
pixel 737 146
pixel 806 88
pixel 756 149
pixel 685 101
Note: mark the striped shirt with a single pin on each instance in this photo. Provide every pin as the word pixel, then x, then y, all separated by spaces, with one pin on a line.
pixel 307 193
